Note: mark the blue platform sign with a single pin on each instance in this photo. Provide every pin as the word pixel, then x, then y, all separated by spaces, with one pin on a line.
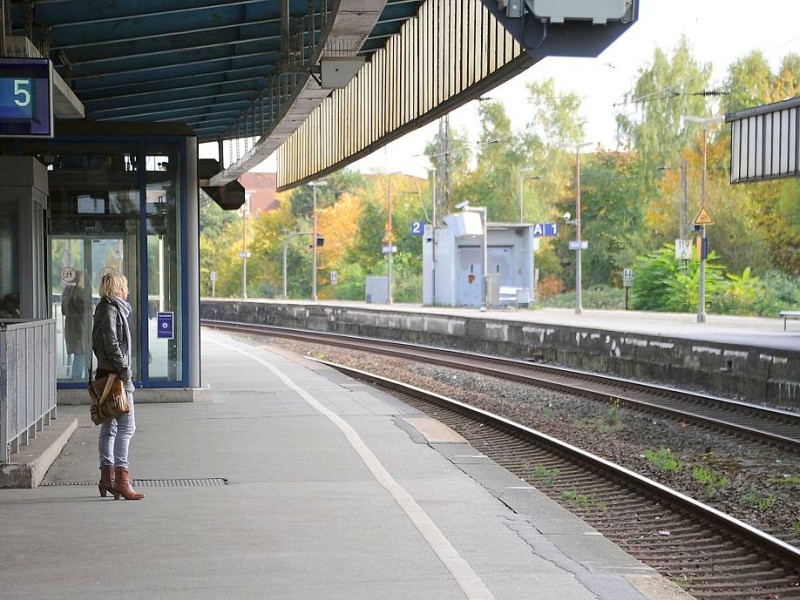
pixel 166 325
pixel 26 97
pixel 418 228
pixel 545 230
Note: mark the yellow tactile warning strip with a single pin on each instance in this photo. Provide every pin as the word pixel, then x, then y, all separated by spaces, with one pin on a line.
pixel 434 431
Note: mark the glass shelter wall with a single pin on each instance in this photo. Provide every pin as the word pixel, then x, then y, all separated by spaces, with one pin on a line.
pixel 163 267
pixel 119 205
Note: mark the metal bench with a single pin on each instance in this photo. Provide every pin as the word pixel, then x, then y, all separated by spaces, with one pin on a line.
pixel 789 314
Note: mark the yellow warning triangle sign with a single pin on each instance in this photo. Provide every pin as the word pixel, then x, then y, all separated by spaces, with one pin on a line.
pixel 703 218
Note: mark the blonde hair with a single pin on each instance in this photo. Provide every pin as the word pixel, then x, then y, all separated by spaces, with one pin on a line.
pixel 111 284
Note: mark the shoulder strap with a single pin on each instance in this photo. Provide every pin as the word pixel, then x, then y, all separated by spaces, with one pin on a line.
pixel 109 383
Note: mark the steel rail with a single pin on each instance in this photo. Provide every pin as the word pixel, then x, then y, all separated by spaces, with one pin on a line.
pixel 775 426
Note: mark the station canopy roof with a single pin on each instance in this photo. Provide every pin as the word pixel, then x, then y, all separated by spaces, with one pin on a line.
pixel 202 63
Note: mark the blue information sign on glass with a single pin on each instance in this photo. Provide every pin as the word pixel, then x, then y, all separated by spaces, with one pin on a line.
pixel 26 97
pixel 166 325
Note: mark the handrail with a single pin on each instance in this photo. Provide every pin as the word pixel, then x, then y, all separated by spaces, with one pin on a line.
pixel 27 381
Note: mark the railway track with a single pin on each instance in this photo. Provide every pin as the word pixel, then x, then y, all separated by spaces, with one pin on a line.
pixel 749 421
pixel 706 552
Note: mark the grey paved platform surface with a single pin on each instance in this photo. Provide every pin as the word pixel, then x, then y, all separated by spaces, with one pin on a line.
pixel 749 331
pixel 334 491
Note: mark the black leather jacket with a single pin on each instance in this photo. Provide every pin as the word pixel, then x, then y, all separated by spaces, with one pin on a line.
pixel 109 342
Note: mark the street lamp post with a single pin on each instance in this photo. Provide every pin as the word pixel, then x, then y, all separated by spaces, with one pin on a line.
pixel 701 303
pixel 245 209
pixel 579 242
pixel 433 237
pixel 521 175
pixel 433 197
pixel 683 226
pixel 314 185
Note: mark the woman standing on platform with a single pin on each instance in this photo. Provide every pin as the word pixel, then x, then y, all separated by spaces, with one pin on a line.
pixel 111 342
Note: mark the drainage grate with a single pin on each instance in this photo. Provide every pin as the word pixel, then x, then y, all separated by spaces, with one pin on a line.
pixel 206 482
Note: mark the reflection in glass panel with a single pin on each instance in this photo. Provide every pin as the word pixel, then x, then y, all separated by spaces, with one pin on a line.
pixel 9 261
pixel 72 307
pixel 163 268
pixel 158 162
pixel 88 204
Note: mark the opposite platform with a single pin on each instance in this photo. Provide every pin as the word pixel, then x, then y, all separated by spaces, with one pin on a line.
pixel 748 358
pixel 334 490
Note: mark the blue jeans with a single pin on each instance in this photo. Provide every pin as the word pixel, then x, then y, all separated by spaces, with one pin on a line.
pixel 78 366
pixel 115 437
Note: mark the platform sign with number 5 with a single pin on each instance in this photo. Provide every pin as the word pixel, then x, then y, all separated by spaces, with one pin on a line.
pixel 26 97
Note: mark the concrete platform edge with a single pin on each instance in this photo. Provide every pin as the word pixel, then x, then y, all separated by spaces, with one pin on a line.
pixel 571 537
pixel 26 469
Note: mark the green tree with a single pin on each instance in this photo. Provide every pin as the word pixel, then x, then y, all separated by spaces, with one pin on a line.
pixel 668 88
pixel 788 79
pixel 214 225
pixel 365 249
pixel 493 182
pixel 555 123
pixel 762 216
pixel 750 82
pixel 612 219
pixel 336 184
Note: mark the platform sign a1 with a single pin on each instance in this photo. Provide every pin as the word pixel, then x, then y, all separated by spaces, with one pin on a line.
pixel 545 230
pixel 165 322
pixel 26 97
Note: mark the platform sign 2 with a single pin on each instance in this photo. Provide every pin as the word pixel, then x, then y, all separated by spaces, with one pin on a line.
pixel 166 325
pixel 26 97
pixel 418 228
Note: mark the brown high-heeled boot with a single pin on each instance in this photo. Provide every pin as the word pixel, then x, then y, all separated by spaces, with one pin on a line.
pixel 106 483
pixel 122 485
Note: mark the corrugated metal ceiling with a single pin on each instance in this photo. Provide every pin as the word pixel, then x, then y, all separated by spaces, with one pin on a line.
pixel 202 63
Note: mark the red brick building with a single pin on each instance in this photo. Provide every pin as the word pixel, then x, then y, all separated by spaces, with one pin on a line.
pixel 262 188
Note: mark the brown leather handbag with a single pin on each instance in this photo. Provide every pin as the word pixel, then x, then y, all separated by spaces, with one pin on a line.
pixel 108 397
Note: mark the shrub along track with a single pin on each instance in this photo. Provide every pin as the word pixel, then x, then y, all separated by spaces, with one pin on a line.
pixel 755 482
